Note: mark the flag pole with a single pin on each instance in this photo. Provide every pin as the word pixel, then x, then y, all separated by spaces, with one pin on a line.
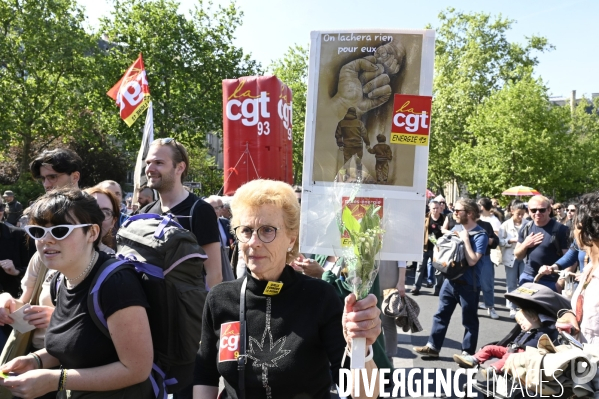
pixel 139 177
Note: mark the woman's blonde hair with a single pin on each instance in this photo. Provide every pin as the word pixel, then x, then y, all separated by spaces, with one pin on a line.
pixel 260 192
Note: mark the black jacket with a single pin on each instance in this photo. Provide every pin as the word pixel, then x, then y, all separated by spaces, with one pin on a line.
pixel 13 246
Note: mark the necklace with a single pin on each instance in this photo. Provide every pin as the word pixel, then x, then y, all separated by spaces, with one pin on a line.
pixel 83 273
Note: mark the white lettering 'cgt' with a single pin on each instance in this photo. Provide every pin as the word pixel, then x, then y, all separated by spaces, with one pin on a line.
pixel 412 121
pixel 286 114
pixel 132 97
pixel 250 110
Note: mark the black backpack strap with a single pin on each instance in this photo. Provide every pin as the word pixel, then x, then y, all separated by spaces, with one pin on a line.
pixel 157 376
pixel 106 270
pixel 191 217
pixel 242 359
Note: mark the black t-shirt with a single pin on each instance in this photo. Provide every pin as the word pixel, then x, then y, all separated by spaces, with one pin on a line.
pixel 73 337
pixel 205 222
pixel 546 253
pixel 13 246
pixel 434 227
pixel 491 233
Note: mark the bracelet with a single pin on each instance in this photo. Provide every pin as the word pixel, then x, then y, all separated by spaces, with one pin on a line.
pixel 38 360
pixel 62 381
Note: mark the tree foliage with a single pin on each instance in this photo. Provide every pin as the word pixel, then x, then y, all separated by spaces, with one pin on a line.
pixel 54 76
pixel 186 59
pixel 582 152
pixel 292 69
pixel 517 137
pixel 203 169
pixel 43 72
pixel 473 59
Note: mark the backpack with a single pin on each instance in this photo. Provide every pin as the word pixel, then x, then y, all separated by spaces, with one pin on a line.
pixel 449 255
pixel 226 268
pixel 226 265
pixel 169 262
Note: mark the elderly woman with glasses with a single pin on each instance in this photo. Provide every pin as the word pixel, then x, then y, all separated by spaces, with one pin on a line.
pixel 296 326
pixel 65 225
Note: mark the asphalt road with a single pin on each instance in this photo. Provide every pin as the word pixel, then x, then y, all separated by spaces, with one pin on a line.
pixel 490 331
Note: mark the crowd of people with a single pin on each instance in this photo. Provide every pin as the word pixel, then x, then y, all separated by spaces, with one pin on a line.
pixel 71 233
pixel 535 241
pixel 276 292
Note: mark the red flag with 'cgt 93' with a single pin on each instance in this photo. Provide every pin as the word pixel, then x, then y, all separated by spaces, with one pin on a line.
pixel 132 93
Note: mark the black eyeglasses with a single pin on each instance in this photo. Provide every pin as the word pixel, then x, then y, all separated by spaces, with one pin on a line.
pixel 458 210
pixel 539 210
pixel 51 178
pixel 265 233
pixel 558 209
pixel 59 232
pixel 570 210
pixel 107 213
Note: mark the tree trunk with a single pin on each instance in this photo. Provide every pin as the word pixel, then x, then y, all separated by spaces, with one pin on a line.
pixel 24 165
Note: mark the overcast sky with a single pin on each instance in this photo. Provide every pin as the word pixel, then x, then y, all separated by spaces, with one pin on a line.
pixel 270 27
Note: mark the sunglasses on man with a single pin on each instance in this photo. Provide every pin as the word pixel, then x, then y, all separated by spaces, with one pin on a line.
pixel 539 210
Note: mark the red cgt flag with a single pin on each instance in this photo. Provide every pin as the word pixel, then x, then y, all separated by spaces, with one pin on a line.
pixel 132 93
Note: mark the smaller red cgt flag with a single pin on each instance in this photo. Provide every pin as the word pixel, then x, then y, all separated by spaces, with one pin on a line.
pixel 132 93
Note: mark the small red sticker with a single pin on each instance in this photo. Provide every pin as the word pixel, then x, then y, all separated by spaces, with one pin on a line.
pixel 228 348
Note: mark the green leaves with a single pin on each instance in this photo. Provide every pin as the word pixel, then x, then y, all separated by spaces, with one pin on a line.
pixel 292 69
pixel 54 75
pixel 366 242
pixel 473 59
pixel 350 222
pixel 186 59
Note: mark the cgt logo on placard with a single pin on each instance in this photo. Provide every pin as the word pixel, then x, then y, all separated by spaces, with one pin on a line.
pixel 411 120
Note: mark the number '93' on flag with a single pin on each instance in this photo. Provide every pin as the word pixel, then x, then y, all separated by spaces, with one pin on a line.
pixel 132 93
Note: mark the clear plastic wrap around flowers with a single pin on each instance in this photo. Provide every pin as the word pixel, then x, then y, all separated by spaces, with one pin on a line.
pixel 359 219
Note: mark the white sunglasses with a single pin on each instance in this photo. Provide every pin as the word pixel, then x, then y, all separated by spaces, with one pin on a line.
pixel 59 232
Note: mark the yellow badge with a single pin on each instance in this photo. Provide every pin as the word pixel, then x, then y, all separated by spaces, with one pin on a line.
pixel 527 291
pixel 273 288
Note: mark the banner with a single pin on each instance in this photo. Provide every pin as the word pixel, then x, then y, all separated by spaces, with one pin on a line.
pixel 257 131
pixel 368 120
pixel 132 93
pixel 139 178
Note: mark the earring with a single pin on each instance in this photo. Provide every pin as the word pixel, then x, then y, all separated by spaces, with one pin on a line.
pixel 289 249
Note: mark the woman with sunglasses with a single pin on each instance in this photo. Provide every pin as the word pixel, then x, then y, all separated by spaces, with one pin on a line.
pixel 294 343
pixel 109 205
pixel 65 225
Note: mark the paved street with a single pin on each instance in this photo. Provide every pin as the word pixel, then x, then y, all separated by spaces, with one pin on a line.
pixel 490 330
